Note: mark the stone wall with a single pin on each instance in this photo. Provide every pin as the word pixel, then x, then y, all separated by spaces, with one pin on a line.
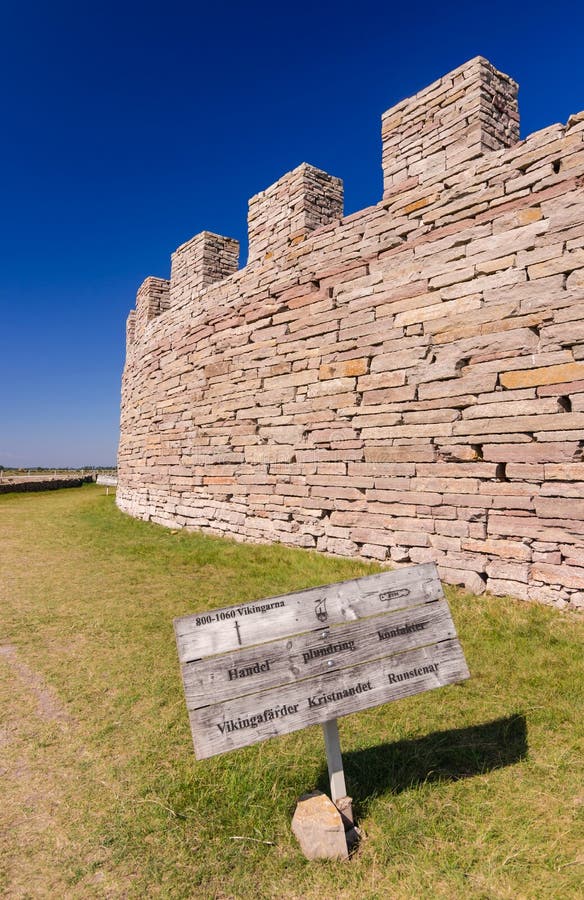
pixel 403 384
pixel 458 118
pixel 48 484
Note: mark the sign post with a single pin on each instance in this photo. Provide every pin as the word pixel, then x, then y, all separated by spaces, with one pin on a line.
pixel 334 760
pixel 263 669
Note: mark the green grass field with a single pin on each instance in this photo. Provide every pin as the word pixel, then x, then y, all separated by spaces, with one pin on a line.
pixel 475 790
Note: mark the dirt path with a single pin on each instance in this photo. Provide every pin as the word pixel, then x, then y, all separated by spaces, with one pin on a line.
pixel 40 765
pixel 34 725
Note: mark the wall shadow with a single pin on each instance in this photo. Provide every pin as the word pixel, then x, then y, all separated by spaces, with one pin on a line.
pixel 443 755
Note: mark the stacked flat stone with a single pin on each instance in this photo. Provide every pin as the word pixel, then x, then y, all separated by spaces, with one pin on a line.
pixel 285 213
pixel 151 300
pixel 404 384
pixel 458 118
pixel 204 260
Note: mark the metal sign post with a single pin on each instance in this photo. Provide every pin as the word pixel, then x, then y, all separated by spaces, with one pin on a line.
pixel 334 760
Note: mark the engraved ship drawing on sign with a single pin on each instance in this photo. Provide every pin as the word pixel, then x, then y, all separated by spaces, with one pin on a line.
pixel 320 610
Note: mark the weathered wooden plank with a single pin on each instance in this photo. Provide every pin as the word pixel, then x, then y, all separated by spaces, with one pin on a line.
pixel 247 720
pixel 222 630
pixel 264 666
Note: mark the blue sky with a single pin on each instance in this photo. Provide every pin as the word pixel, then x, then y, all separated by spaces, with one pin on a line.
pixel 129 127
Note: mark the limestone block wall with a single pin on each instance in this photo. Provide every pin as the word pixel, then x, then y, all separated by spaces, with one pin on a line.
pixel 286 212
pixel 49 484
pixel 405 383
pixel 469 111
pixel 204 260
pixel 151 300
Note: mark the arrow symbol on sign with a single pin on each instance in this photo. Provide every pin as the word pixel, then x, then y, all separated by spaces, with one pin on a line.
pixel 386 596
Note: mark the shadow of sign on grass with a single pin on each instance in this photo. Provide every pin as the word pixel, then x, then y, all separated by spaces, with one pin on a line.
pixel 441 756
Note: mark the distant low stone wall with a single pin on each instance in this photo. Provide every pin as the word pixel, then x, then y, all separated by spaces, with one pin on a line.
pixel 50 484
pixel 403 384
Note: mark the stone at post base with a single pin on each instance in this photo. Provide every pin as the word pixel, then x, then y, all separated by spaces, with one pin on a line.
pixel 322 830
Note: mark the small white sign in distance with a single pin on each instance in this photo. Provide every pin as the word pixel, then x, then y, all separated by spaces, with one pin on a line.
pixel 109 480
pixel 258 670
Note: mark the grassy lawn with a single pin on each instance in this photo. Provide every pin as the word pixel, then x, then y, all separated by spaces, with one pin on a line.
pixel 476 790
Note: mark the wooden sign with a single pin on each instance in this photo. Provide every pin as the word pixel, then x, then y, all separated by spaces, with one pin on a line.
pixel 262 669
